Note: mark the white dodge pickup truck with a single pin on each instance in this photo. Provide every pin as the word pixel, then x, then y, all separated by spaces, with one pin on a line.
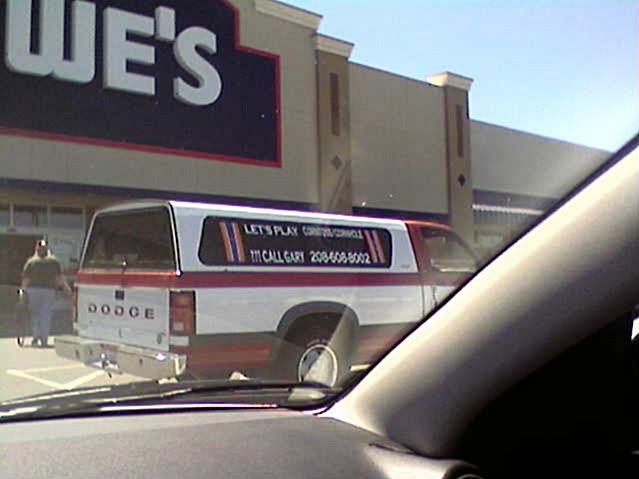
pixel 169 288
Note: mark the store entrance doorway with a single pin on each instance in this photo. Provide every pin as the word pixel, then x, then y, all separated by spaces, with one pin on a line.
pixel 14 252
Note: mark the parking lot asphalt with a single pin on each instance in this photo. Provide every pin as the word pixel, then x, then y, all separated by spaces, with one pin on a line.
pixel 27 371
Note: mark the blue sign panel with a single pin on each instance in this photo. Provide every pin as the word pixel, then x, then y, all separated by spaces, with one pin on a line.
pixel 161 75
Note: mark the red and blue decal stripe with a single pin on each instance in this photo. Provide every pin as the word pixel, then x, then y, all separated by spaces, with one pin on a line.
pixel 232 239
pixel 374 247
pixel 371 247
pixel 378 247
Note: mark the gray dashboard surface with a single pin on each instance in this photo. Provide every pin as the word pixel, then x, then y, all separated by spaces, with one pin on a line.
pixel 247 444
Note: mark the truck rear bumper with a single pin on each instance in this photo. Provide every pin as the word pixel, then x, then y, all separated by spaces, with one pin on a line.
pixel 119 358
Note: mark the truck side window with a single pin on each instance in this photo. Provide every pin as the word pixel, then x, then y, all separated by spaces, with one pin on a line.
pixel 272 243
pixel 446 253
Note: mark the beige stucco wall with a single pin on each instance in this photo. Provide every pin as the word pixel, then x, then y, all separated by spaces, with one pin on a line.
pixel 506 160
pixel 398 146
pixel 295 181
pixel 335 172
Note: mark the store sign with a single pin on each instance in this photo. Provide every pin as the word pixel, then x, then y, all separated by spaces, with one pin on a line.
pixel 167 76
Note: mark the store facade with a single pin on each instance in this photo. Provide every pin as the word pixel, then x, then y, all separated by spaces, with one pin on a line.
pixel 235 101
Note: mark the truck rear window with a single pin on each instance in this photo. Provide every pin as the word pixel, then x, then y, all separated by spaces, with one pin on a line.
pixel 242 242
pixel 138 240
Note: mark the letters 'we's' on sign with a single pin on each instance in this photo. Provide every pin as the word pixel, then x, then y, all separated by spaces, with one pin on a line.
pixel 160 76
pixel 119 49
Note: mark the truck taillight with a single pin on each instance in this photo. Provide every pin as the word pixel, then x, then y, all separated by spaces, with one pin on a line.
pixel 182 312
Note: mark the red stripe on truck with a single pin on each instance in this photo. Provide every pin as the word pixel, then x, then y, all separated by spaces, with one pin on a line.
pixel 247 279
pixel 223 357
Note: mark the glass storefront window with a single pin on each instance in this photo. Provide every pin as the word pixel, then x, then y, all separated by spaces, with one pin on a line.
pixel 30 216
pixel 69 218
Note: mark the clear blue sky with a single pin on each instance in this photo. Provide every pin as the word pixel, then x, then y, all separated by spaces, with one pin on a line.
pixel 563 69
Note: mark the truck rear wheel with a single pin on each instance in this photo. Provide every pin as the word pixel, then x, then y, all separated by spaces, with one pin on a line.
pixel 318 363
pixel 317 348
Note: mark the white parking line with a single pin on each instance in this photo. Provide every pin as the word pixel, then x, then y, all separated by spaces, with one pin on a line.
pixel 84 379
pixel 27 374
pixel 53 368
pixel 46 382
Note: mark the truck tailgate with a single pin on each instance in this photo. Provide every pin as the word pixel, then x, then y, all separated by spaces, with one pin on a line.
pixel 128 315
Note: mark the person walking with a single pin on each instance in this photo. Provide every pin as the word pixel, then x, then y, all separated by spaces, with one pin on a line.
pixel 41 276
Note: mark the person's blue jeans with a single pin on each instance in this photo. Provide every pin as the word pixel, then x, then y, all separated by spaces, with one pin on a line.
pixel 41 302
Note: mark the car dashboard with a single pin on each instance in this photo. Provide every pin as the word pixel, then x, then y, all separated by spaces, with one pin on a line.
pixel 230 444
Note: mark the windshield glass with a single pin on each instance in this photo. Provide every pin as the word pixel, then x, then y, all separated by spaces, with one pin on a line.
pixel 277 193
